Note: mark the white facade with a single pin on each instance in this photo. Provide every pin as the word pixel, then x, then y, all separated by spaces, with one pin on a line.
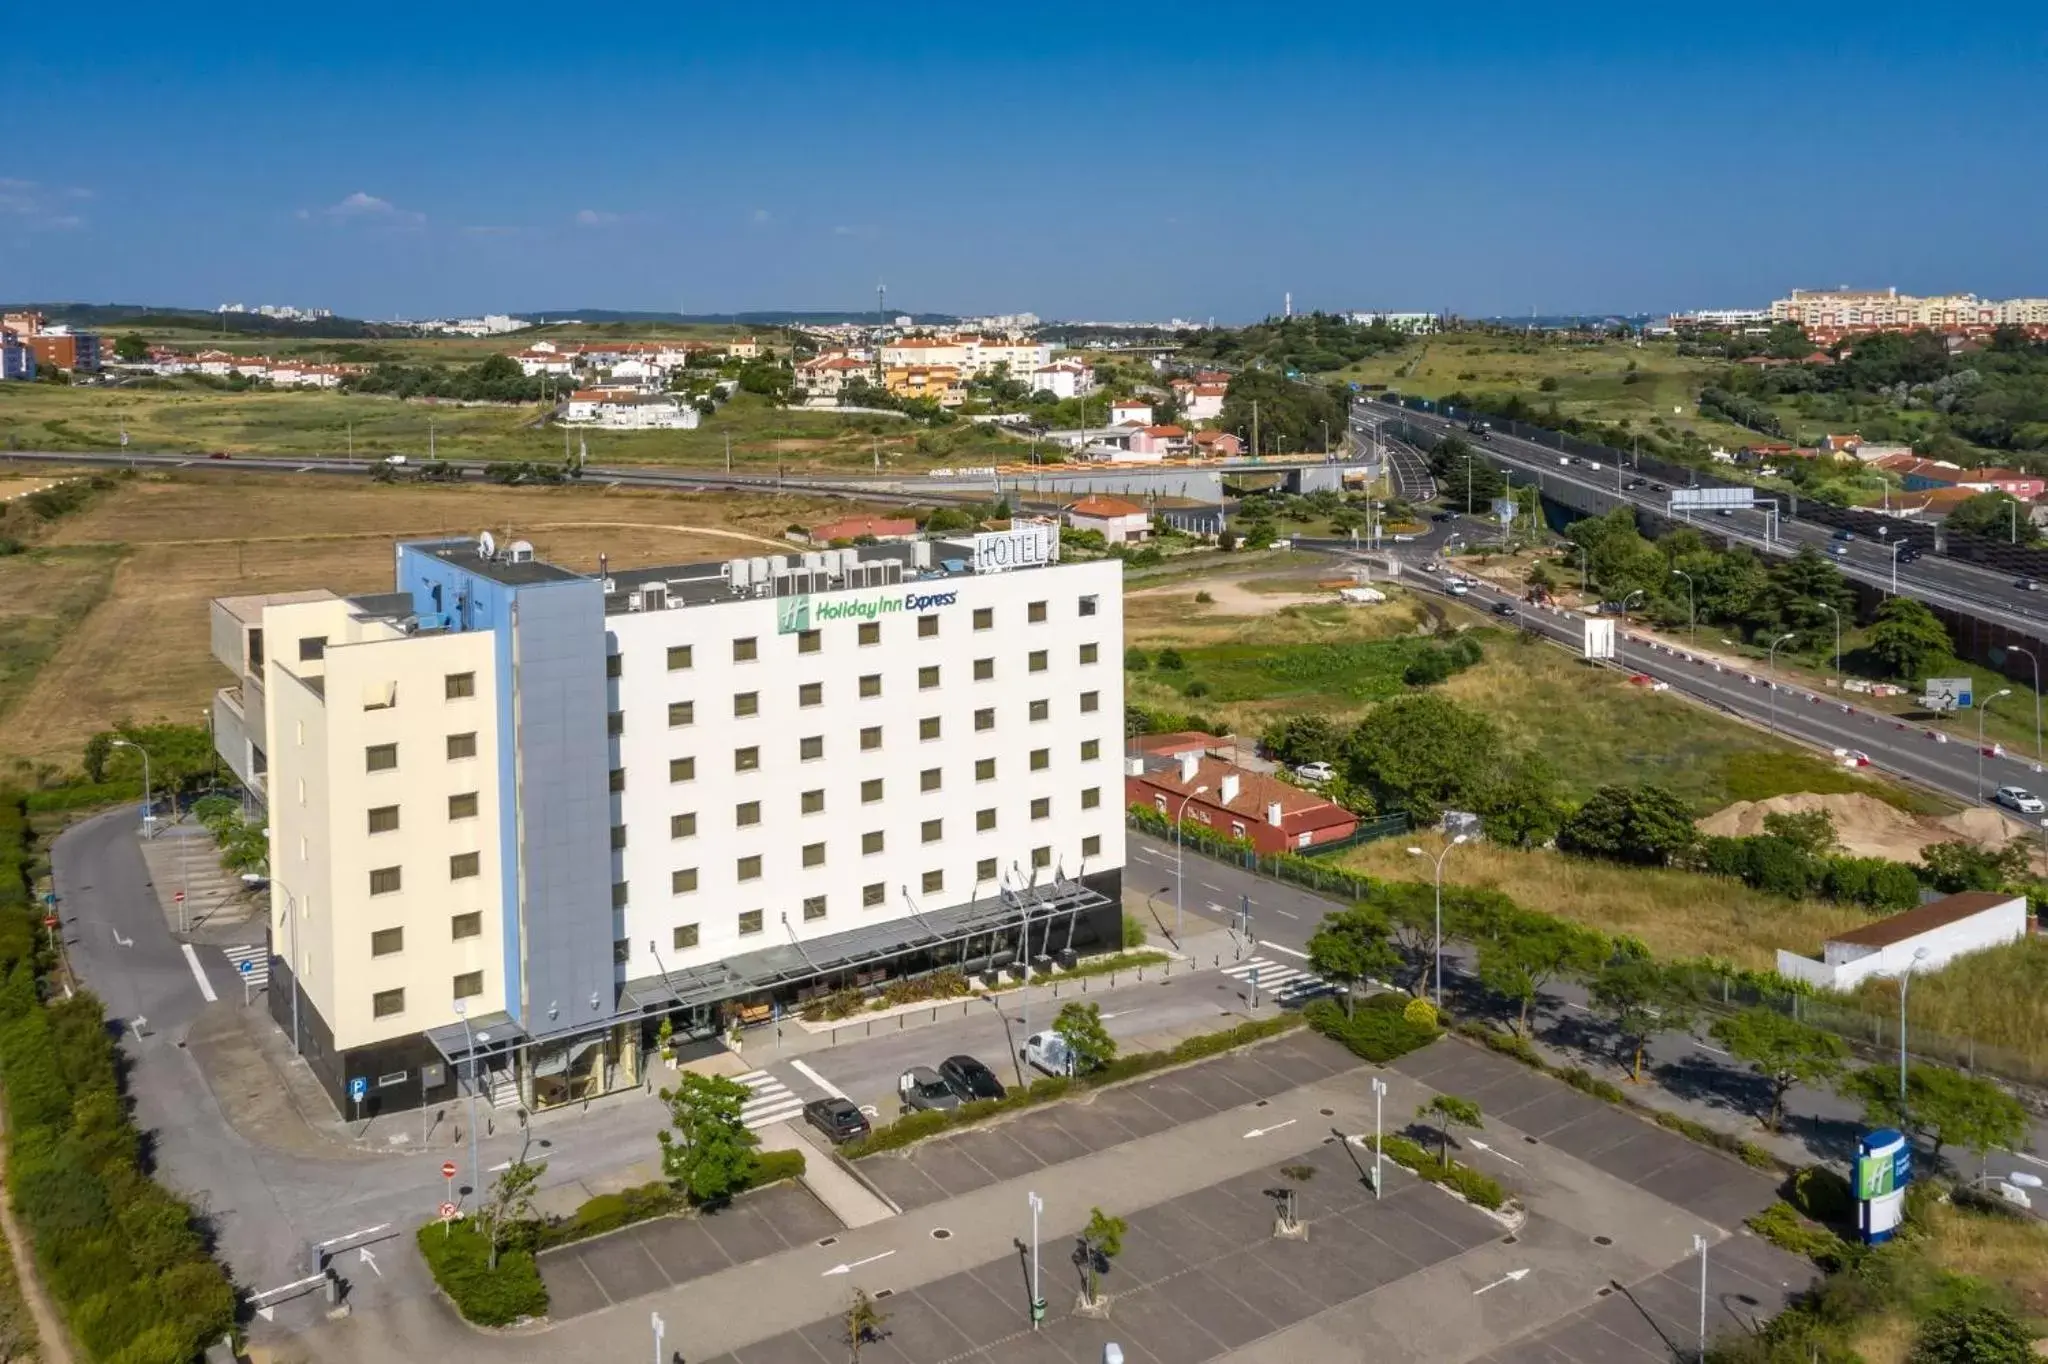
pixel 1954 926
pixel 638 412
pixel 1064 380
pixel 1130 412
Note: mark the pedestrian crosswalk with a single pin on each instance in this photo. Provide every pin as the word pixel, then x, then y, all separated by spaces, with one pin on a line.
pixel 773 1100
pixel 1277 981
pixel 258 957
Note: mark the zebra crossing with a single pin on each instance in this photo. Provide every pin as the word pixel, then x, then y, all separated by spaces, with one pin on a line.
pixel 1279 982
pixel 257 955
pixel 772 1101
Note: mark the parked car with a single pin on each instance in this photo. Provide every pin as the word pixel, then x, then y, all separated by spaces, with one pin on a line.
pixel 1315 772
pixel 838 1119
pixel 970 1079
pixel 1049 1052
pixel 2021 799
pixel 921 1088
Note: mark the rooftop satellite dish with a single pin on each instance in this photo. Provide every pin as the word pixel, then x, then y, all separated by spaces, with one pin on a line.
pixel 486 545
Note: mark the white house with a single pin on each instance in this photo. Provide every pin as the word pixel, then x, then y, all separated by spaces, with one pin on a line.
pixel 1120 522
pixel 622 411
pixel 1204 402
pixel 1923 939
pixel 1063 380
pixel 548 361
pixel 1130 412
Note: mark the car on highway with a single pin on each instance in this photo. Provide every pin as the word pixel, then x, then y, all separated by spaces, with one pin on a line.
pixel 1457 587
pixel 2027 584
pixel 220 454
pixel 921 1090
pixel 1658 488
pixel 1908 553
pixel 1049 1052
pixel 1635 483
pixel 2021 799
pixel 838 1119
pixel 970 1079
pixel 1504 608
pixel 1839 551
pixel 1315 772
pixel 1845 535
pixel 1443 516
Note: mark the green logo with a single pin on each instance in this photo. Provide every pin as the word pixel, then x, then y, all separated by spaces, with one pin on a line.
pixel 1876 1176
pixel 794 616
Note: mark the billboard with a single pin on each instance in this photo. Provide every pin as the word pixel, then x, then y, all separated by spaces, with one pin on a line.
pixel 1504 510
pixel 1598 641
pixel 1712 499
pixel 1947 693
pixel 1884 1166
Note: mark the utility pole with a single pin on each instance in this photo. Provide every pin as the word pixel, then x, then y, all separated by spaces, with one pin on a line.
pixel 1255 428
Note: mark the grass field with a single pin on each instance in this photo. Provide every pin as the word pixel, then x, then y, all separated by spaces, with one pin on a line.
pixel 45 417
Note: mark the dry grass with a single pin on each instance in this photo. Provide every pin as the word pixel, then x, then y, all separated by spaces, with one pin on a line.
pixel 2009 1252
pixel 1999 997
pixel 1677 914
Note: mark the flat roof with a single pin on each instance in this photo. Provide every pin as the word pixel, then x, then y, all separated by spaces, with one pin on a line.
pixel 249 610
pixel 1925 919
pixel 500 568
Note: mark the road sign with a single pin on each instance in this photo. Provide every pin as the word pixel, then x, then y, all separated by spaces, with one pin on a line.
pixel 1712 499
pixel 448 1211
pixel 447 1169
pixel 357 1088
pixel 1948 693
pixel 246 966
pixel 178 897
pixel 49 921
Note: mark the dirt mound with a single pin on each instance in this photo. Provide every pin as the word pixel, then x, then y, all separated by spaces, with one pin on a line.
pixel 1865 825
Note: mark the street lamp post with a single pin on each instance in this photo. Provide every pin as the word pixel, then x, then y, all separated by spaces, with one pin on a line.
pixel 659 1327
pixel 1771 668
pixel 148 805
pixel 1983 711
pixel 1629 598
pixel 1177 877
pixel 1037 1298
pixel 1838 634
pixel 1895 564
pixel 1906 980
pixel 1691 625
pixel 469 1045
pixel 2016 649
pixel 1439 950
pixel 1699 1247
pixel 1379 1093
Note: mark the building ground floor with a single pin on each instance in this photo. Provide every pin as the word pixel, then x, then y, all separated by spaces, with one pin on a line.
pixel 513 1066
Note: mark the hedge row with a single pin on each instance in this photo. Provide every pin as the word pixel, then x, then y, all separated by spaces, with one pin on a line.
pixel 915 1127
pixel 1477 1188
pixel 124 1259
pixel 1783 1227
pixel 1379 1030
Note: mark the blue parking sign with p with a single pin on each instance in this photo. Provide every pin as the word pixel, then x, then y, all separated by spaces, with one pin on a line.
pixel 358 1087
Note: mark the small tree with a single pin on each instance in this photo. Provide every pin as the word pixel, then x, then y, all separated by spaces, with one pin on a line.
pixel 1135 660
pixel 708 1150
pixel 1534 950
pixel 1170 661
pixel 1785 1051
pixel 1638 998
pixel 1080 1027
pixel 1351 946
pixel 1443 1113
pixel 511 1198
pixel 1102 1240
pixel 1644 824
pixel 863 1322
pixel 1942 1106
pixel 1981 1334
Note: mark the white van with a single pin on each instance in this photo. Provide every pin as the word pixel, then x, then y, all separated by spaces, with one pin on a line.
pixel 1049 1052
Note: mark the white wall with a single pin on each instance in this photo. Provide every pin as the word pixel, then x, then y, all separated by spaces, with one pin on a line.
pixel 1840 970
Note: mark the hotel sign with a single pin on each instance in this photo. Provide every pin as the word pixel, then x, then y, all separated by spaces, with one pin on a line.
pixel 1025 545
pixel 796 614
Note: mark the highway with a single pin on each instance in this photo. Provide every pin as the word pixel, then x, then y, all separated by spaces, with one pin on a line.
pixel 1938 581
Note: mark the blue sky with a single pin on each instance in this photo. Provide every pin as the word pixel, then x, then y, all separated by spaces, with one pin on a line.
pixel 1126 160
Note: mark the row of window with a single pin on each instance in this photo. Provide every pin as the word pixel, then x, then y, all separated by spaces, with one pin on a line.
pixel 391 1003
pixel 747 813
pixel 746 704
pixel 386 942
pixel 812 749
pixel 384 757
pixel 867 633
pixel 391 880
pixel 384 695
pixel 384 818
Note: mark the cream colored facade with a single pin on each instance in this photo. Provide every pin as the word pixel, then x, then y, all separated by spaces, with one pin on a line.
pixel 1847 309
pixel 380 960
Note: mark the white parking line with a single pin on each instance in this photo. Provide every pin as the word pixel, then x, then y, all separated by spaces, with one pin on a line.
pixel 820 1081
pixel 199 974
pixel 1276 947
pixel 1704 1047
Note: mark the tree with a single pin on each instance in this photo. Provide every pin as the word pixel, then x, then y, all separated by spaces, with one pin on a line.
pixel 1646 825
pixel 1639 998
pixel 862 1323
pixel 1135 660
pixel 1785 1051
pixel 708 1152
pixel 1522 809
pixel 1535 950
pixel 1170 661
pixel 1351 946
pixel 131 349
pixel 1992 516
pixel 1101 1241
pixel 1302 739
pixel 1444 1112
pixel 1080 1027
pixel 1959 865
pixel 1983 1333
pixel 1811 831
pixel 511 1198
pixel 1942 1106
pixel 1424 753
pixel 1908 639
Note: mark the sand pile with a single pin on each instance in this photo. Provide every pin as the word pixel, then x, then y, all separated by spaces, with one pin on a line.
pixel 1865 825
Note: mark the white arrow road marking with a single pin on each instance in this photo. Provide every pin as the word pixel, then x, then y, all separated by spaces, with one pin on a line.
pixel 1482 1146
pixel 501 1165
pixel 120 941
pixel 267 1313
pixel 1276 947
pixel 370 1260
pixel 1704 1047
pixel 820 1081
pixel 1512 1276
pixel 1262 1131
pixel 849 1268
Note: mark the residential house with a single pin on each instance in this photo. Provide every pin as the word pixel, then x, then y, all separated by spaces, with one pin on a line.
pixel 1119 522
pixel 543 358
pixel 1926 938
pixel 1067 379
pixel 928 352
pixel 1204 402
pixel 1159 440
pixel 882 529
pixel 63 349
pixel 828 375
pixel 1130 412
pixel 628 410
pixel 1925 475
pixel 748 349
pixel 933 383
pixel 1217 444
pixel 1234 802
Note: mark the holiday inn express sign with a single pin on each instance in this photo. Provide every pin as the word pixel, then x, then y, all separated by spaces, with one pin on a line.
pixel 807 612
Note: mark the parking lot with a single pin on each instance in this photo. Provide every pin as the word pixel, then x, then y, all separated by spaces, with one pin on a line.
pixel 937 1170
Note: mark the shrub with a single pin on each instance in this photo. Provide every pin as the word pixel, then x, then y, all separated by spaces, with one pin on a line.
pixel 460 1258
pixel 1134 931
pixel 1476 1187
pixel 1748 1152
pixel 1823 1195
pixel 1782 1226
pixel 773 1167
pixel 1378 1031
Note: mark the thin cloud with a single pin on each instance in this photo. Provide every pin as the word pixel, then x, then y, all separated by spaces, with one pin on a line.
pixel 364 207
pixel 491 230
pixel 762 215
pixel 595 217
pixel 30 203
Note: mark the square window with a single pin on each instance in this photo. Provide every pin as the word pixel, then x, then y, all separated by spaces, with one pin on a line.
pixel 681 713
pixel 814 854
pixel 617 779
pixel 746 812
pixel 871 738
pixel 383 819
pixel 1041 857
pixel 387 1003
pixel 622 951
pixel 932 830
pixel 387 941
pixel 809 641
pixel 1041 710
pixel 684 937
pixel 811 803
pixel 380 757
pixel 814 907
pixel 984 719
pixel 933 882
pixel 678 657
pixel 1041 758
pixel 869 632
pixel 870 790
pixel 457 686
pixel 682 881
pixel 750 922
pixel 927 627
pixel 811 694
pixel 984 669
pixel 871 843
pixel 1041 807
pixel 384 880
pixel 615 722
pixel 462 866
pixel 613 665
pixel 984 618
pixel 470 925
pixel 748 868
pixel 746 759
pixel 984 820
pixel 1091 701
pixel 984 870
pixel 745 703
pixel 1088 606
pixel 312 647
pixel 984 769
pixel 928 728
pixel 1090 652
pixel 682 769
pixel 683 826
pixel 928 677
pixel 620 890
pixel 461 746
pixel 1091 749
pixel 1035 661
pixel 811 747
pixel 469 985
pixel 1091 798
pixel 745 650
pixel 1034 612
pixel 930 779
pixel 1091 846
pixel 873 894
pixel 871 685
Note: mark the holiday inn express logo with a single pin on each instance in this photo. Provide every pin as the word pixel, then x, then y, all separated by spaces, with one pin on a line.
pixel 797 614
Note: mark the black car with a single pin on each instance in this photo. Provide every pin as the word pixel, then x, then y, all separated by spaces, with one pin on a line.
pixel 1504 608
pixel 969 1078
pixel 1443 516
pixel 838 1119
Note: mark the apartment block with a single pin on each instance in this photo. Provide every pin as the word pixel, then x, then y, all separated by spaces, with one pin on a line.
pixel 520 814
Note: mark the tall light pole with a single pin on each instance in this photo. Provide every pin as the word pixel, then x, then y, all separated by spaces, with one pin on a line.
pixel 1919 955
pixel 1379 1093
pixel 1629 598
pixel 1895 564
pixel 148 805
pixel 1177 877
pixel 1983 711
pixel 1699 1248
pixel 2016 649
pixel 659 1327
pixel 1691 621
pixel 1838 634
pixel 1037 1298
pixel 1771 668
pixel 469 1044
pixel 1439 861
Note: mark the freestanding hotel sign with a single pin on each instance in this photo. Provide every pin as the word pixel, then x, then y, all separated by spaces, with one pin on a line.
pixel 1884 1167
